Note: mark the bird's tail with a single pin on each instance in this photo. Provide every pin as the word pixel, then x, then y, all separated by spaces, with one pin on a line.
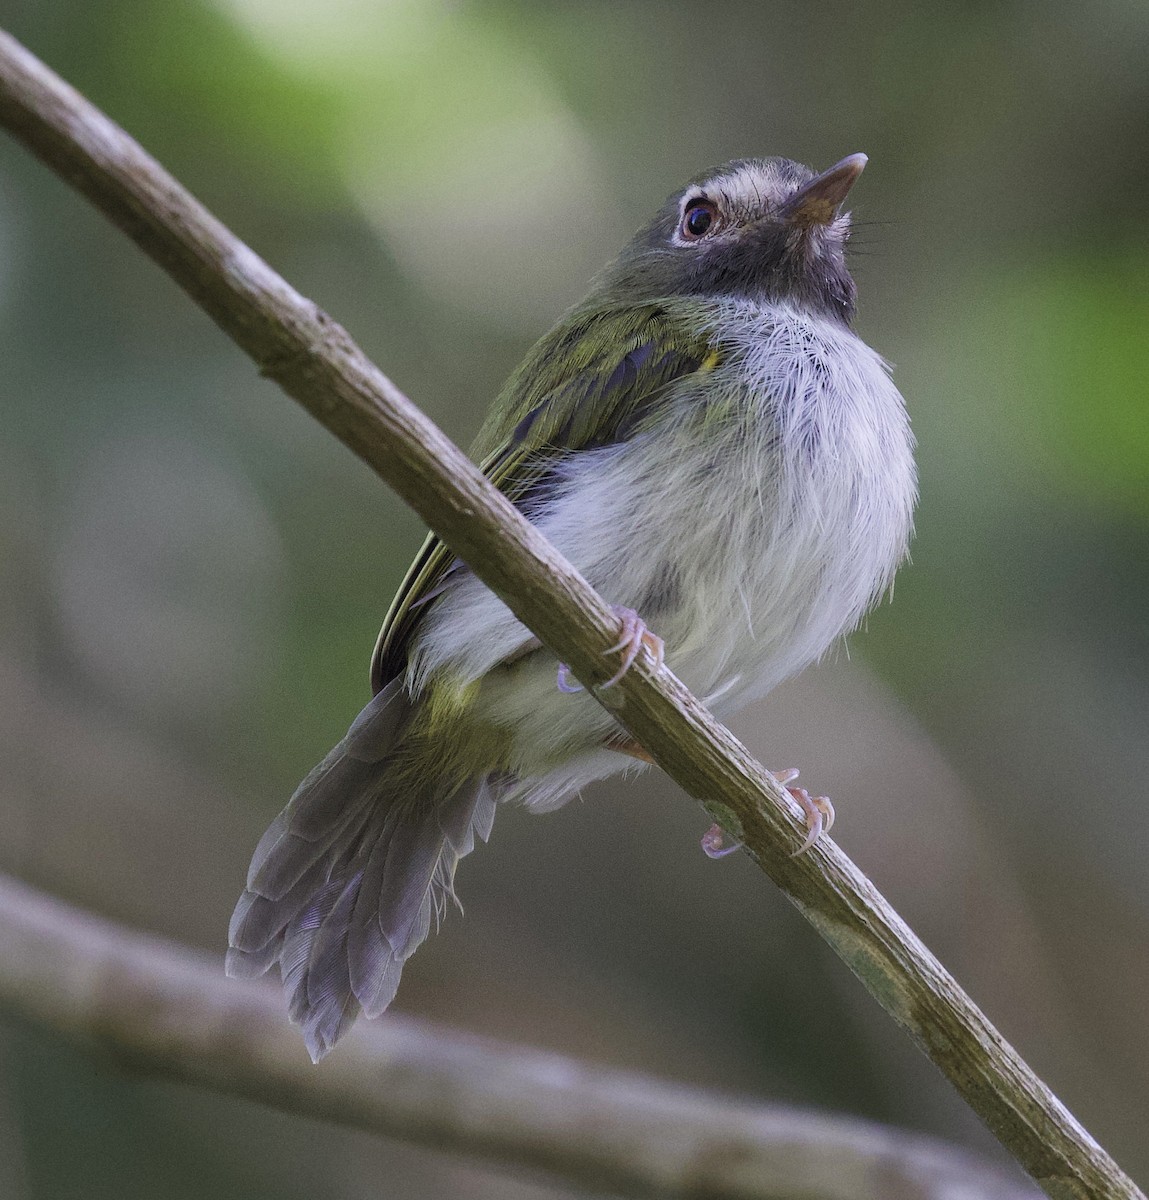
pixel 343 885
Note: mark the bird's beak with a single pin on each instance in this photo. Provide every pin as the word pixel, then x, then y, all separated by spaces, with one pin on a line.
pixel 817 203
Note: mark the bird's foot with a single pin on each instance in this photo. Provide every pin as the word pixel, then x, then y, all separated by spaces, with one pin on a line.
pixel 635 637
pixel 819 818
pixel 564 682
pixel 819 815
pixel 714 843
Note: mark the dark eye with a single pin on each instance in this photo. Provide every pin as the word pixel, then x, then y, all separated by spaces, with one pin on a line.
pixel 699 219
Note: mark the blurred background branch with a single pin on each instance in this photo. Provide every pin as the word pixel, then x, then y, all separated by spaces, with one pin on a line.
pixel 161 1010
pixel 316 362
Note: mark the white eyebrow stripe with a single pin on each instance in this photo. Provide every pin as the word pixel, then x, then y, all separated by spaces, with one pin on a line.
pixel 748 186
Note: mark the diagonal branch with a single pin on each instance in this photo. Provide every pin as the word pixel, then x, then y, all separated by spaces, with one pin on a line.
pixel 316 362
pixel 171 1013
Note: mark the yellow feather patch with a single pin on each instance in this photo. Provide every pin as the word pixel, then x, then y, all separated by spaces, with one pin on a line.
pixel 448 697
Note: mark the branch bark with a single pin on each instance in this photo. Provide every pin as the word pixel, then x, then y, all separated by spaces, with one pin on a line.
pixel 169 1012
pixel 315 361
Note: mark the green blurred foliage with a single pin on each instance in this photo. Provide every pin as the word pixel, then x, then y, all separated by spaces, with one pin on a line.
pixel 1063 376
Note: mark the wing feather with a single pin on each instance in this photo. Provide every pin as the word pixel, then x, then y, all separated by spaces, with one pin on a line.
pixel 588 383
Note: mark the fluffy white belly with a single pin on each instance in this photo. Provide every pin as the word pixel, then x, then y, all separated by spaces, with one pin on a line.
pixel 751 528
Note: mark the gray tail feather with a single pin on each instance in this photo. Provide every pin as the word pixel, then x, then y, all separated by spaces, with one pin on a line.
pixel 343 885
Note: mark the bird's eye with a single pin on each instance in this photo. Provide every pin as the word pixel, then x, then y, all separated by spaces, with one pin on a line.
pixel 699 219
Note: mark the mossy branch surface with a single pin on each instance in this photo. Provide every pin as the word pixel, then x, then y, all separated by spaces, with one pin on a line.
pixel 315 361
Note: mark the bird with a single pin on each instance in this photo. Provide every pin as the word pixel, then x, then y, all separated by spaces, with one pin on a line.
pixel 710 443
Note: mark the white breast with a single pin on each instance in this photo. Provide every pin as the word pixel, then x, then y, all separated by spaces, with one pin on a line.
pixel 750 543
pixel 751 529
pixel 819 487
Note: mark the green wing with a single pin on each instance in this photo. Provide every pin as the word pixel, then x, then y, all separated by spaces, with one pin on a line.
pixel 588 383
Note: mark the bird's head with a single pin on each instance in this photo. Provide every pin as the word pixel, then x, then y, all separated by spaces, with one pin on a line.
pixel 762 228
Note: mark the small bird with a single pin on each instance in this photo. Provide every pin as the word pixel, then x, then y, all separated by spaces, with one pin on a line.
pixel 720 455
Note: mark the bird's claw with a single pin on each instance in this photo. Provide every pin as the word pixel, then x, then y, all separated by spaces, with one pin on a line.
pixel 635 637
pixel 564 683
pixel 713 843
pixel 818 810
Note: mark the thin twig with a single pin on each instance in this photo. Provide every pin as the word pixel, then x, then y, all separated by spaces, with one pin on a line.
pixel 315 361
pixel 169 1012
